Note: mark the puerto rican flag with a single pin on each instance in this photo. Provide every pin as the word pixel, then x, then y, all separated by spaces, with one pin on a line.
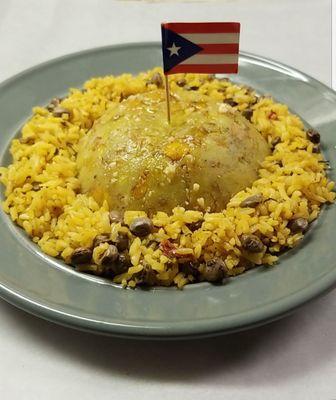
pixel 200 47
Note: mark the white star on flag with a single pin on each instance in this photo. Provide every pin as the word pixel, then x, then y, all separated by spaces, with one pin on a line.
pixel 173 50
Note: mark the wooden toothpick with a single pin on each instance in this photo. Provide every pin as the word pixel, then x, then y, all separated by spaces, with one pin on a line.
pixel 167 98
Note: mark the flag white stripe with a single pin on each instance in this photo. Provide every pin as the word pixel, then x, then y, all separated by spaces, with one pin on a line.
pixel 211 38
pixel 211 59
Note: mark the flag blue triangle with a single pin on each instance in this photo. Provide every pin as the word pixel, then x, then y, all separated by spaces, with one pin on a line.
pixel 177 44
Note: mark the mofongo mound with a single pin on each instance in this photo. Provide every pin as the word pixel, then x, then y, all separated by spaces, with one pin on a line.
pixel 135 160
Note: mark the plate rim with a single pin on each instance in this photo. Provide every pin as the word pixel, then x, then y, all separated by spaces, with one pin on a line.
pixel 66 56
pixel 269 312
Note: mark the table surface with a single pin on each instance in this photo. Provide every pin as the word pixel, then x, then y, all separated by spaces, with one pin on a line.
pixel 291 358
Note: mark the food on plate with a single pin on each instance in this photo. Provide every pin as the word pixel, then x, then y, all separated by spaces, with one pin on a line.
pixel 100 180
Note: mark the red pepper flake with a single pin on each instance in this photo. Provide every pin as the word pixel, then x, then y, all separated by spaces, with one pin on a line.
pixel 168 248
pixel 273 115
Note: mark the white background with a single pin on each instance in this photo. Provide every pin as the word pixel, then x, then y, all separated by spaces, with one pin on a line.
pixel 291 359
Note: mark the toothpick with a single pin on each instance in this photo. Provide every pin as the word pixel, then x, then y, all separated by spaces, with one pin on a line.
pixel 167 98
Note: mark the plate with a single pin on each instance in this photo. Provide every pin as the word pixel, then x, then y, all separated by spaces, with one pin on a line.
pixel 48 288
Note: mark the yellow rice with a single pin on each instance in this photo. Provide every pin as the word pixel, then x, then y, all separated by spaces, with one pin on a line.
pixel 60 219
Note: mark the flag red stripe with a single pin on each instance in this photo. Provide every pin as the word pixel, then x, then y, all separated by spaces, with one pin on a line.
pixel 203 27
pixel 204 69
pixel 226 48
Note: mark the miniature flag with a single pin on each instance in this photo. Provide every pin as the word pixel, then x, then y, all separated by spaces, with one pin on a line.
pixel 200 47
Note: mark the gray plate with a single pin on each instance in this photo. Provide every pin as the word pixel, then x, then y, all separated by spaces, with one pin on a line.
pixel 48 288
